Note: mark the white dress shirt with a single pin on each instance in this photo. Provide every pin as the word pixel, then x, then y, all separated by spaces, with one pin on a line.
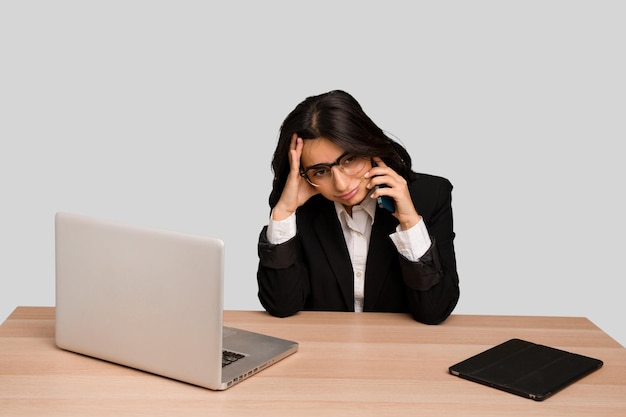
pixel 411 243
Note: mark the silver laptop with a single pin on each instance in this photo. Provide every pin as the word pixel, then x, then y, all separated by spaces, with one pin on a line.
pixel 152 300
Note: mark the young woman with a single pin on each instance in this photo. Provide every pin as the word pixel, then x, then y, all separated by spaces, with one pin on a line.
pixel 329 244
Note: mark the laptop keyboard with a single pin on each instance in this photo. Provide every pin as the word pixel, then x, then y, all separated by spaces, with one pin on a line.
pixel 230 357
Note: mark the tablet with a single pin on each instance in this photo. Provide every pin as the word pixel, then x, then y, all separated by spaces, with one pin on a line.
pixel 527 369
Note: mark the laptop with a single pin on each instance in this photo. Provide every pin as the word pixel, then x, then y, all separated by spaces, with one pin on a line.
pixel 152 300
pixel 526 369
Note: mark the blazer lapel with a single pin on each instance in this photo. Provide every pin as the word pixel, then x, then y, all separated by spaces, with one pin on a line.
pixel 331 239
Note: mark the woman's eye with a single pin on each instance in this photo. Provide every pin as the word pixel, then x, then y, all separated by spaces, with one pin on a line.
pixel 320 172
pixel 348 160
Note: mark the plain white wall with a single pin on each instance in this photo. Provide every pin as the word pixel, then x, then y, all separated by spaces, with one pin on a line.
pixel 166 114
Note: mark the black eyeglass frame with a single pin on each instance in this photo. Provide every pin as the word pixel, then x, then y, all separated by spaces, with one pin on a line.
pixel 303 172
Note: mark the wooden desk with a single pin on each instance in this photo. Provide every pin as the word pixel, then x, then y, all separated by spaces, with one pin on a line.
pixel 348 364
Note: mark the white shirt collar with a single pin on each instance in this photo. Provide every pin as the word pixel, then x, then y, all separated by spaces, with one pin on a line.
pixel 368 205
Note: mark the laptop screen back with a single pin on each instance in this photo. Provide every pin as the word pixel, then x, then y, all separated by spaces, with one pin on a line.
pixel 144 298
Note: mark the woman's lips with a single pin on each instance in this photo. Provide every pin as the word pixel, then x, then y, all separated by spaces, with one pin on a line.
pixel 349 194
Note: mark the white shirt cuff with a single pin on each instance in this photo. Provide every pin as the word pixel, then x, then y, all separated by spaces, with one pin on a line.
pixel 281 231
pixel 412 243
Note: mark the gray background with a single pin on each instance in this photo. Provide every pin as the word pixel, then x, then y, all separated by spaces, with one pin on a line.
pixel 166 114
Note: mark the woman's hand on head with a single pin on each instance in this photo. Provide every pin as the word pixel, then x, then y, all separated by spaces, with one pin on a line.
pixel 297 190
pixel 397 189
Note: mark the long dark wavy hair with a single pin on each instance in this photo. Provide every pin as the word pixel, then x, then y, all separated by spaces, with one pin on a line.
pixel 338 117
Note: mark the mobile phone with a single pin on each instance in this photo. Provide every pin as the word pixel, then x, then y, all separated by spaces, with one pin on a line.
pixel 384 202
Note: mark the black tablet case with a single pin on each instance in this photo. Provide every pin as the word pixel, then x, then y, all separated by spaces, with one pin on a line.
pixel 525 368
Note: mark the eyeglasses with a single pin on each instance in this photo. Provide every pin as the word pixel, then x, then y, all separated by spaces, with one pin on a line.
pixel 321 174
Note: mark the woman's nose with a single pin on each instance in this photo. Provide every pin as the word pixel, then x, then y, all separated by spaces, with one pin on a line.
pixel 340 179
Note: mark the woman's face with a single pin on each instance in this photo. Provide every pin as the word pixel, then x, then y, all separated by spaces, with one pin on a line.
pixel 348 190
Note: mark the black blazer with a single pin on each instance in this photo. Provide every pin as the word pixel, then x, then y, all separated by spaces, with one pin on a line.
pixel 313 271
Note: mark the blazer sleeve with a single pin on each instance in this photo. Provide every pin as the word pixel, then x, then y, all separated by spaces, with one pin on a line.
pixel 432 283
pixel 282 276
